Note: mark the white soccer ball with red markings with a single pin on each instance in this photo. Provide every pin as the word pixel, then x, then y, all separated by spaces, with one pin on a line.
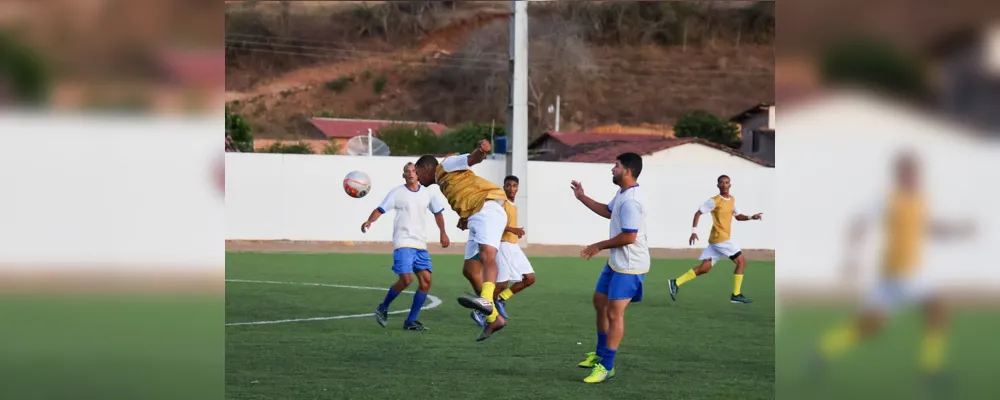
pixel 357 184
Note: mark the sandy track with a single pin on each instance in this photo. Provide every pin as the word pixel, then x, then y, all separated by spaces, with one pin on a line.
pixel 281 246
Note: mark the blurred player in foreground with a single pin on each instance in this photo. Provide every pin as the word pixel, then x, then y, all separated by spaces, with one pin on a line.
pixel 723 209
pixel 479 204
pixel 906 225
pixel 620 282
pixel 512 263
pixel 409 239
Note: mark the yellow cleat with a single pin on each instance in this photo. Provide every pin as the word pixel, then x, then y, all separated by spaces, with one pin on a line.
pixel 592 359
pixel 599 374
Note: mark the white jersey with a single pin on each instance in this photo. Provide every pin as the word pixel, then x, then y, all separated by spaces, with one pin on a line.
pixel 409 227
pixel 628 214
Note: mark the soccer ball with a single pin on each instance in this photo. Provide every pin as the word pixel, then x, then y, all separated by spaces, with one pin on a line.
pixel 357 184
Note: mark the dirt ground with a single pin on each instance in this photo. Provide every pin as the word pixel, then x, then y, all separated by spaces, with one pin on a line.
pixel 282 246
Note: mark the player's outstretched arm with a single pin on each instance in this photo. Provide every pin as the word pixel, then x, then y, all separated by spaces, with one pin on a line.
pixel 371 219
pixel 479 154
pixel 741 217
pixel 598 208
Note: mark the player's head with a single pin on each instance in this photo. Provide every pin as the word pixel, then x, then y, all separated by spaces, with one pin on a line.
pixel 425 168
pixel 723 183
pixel 907 170
pixel 627 168
pixel 510 184
pixel 410 174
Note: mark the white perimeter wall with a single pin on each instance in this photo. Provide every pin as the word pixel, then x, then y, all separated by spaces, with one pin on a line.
pixel 300 197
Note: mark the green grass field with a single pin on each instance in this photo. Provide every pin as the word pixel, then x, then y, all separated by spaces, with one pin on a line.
pixel 699 347
pixel 886 367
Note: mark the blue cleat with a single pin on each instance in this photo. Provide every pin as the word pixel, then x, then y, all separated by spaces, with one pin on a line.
pixel 672 286
pixel 479 318
pixel 381 315
pixel 502 307
pixel 739 299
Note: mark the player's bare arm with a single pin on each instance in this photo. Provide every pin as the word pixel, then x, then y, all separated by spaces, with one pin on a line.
pixel 598 208
pixel 463 223
pixel 371 219
pixel 755 217
pixel 517 231
pixel 694 225
pixel 942 229
pixel 621 240
pixel 479 154
pixel 439 219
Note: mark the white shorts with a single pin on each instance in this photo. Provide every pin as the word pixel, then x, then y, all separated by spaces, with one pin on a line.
pixel 888 294
pixel 486 227
pixel 716 251
pixel 512 264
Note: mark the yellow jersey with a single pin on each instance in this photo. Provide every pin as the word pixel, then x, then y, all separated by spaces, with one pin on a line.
pixel 511 210
pixel 722 210
pixel 466 192
pixel 905 221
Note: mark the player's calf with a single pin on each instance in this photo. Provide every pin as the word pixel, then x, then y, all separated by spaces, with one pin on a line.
pixel 382 310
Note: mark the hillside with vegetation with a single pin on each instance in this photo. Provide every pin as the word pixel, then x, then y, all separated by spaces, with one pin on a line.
pixel 629 63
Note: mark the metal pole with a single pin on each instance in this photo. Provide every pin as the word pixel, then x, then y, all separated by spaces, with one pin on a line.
pixel 369 142
pixel 558 100
pixel 517 118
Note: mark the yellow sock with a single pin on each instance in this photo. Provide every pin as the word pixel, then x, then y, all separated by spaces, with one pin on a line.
pixel 686 277
pixel 487 294
pixel 506 294
pixel 933 351
pixel 838 341
pixel 737 283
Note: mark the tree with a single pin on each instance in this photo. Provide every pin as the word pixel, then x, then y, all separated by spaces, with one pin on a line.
pixel 239 131
pixel 289 148
pixel 705 125
pixel 332 147
pixel 404 140
pixel 23 75
pixel 874 64
pixel 464 138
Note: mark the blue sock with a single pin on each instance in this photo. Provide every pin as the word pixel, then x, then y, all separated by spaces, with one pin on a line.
pixel 418 301
pixel 609 358
pixel 389 297
pixel 602 343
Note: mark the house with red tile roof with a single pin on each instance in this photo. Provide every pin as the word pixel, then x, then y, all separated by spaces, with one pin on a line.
pixel 598 148
pixel 343 129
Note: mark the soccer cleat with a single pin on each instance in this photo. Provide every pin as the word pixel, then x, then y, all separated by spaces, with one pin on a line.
pixel 476 303
pixel 739 299
pixel 479 318
pixel 592 359
pixel 502 307
pixel 599 374
pixel 492 328
pixel 414 326
pixel 672 285
pixel 381 315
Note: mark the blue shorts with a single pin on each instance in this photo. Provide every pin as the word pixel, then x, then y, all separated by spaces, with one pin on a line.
pixel 619 286
pixel 405 260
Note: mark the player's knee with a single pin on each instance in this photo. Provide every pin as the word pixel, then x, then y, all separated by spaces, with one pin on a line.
pixel 488 257
pixel 406 279
pixel 600 301
pixel 425 285
pixel 528 280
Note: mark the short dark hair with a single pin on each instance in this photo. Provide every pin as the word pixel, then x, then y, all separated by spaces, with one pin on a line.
pixel 631 162
pixel 511 178
pixel 427 161
pixel 719 179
